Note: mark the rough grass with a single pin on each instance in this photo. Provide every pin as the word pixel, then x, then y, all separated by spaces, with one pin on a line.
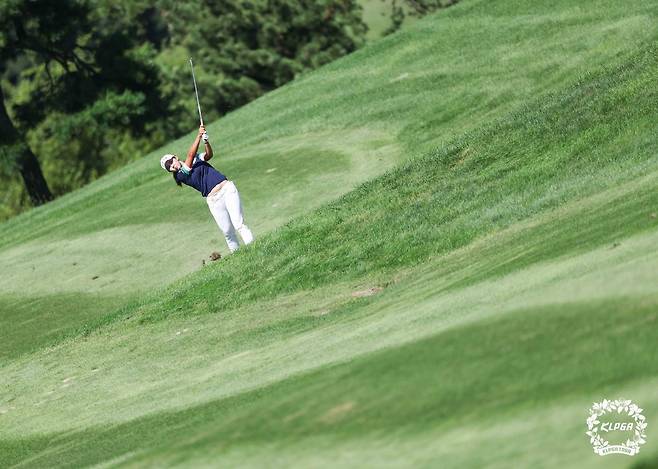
pixel 516 260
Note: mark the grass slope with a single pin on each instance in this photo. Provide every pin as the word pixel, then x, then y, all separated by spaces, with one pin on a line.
pixel 517 266
pixel 464 358
pixel 297 148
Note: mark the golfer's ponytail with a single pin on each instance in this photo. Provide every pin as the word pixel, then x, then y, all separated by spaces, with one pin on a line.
pixel 176 180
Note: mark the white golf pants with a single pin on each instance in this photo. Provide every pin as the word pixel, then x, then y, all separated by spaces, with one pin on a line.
pixel 227 211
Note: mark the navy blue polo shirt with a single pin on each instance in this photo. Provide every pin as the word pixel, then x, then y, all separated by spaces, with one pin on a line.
pixel 201 175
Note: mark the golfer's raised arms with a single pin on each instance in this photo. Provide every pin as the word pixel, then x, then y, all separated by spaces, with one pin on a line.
pixel 192 152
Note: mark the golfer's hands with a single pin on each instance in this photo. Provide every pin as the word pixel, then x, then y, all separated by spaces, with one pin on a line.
pixel 203 133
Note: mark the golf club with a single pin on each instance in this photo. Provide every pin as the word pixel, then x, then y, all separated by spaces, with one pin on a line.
pixel 196 92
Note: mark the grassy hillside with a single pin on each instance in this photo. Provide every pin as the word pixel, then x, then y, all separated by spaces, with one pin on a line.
pixel 464 308
pixel 91 251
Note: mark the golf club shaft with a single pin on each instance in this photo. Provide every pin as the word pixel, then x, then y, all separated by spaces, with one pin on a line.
pixel 196 92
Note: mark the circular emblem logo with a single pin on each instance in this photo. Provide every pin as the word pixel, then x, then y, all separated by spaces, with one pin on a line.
pixel 616 427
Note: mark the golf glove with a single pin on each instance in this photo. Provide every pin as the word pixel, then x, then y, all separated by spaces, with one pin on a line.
pixel 205 137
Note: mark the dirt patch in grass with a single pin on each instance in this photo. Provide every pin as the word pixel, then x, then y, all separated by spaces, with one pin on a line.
pixel 338 412
pixel 367 292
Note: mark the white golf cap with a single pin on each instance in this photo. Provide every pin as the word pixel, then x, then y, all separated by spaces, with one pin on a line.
pixel 164 160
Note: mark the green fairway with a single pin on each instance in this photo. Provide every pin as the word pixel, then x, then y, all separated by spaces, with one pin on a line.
pixel 456 256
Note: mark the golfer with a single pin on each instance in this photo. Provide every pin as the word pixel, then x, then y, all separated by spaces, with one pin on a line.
pixel 221 194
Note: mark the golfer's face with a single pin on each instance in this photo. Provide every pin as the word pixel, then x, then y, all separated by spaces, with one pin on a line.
pixel 175 164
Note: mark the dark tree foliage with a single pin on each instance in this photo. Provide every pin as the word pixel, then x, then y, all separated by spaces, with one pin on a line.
pixel 71 64
pixel 40 28
pixel 250 47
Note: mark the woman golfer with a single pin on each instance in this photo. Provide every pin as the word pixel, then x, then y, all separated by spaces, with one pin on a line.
pixel 220 193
